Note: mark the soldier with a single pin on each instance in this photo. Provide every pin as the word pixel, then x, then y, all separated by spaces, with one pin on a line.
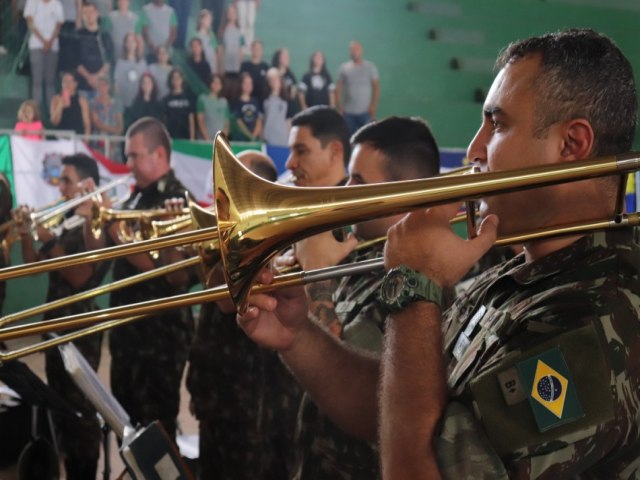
pixel 149 355
pixel 79 436
pixel 226 381
pixel 389 150
pixel 534 372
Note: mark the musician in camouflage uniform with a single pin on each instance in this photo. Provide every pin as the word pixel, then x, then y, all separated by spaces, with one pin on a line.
pixel 149 355
pixel 226 381
pixel 79 436
pixel 539 376
pixel 389 150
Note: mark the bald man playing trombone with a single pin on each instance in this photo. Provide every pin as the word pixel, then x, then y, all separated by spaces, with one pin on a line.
pixel 534 371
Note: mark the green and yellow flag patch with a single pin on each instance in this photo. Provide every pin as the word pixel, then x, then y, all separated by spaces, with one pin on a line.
pixel 550 389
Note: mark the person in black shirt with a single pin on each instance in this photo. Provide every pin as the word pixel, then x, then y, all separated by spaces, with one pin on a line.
pixel 94 49
pixel 197 61
pixel 247 112
pixel 146 103
pixel 317 87
pixel 179 107
pixel 257 68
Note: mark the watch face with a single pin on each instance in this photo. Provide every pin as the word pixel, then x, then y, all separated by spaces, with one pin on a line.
pixel 393 285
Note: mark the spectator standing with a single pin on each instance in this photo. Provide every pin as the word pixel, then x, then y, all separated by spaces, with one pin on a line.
pixel 232 43
pixel 357 90
pixel 158 26
pixel 17 9
pixel 212 110
pixel 179 108
pixel 106 115
pixel 44 20
pixel 120 22
pixel 247 10
pixel 72 10
pixel 146 103
pixel 29 124
pixel 160 71
pixel 216 7
pixel 197 61
pixel 317 87
pixel 257 68
pixel 204 32
pixel 182 8
pixel 94 50
pixel 70 111
pixel 281 60
pixel 129 69
pixel 247 112
pixel 276 118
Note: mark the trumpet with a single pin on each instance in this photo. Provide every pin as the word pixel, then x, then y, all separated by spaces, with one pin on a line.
pixel 101 216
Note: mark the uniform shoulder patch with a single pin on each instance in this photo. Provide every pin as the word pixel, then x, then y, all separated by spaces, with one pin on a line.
pixel 551 390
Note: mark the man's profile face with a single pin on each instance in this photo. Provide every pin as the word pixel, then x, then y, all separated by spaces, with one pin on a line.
pixel 143 164
pixel 505 141
pixel 367 166
pixel 69 180
pixel 309 161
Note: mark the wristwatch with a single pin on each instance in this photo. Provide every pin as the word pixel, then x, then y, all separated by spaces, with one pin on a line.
pixel 403 285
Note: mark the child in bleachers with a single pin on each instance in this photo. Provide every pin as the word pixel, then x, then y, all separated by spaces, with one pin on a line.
pixel 247 112
pixel 160 71
pixel 209 41
pixel 276 117
pixel 29 124
pixel 129 69
pixel 212 110
pixel 197 62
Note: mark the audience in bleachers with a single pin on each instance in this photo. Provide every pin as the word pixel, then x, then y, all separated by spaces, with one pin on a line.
pixel 239 101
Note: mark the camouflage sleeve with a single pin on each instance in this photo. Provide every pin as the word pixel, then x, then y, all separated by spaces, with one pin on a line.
pixel 463 450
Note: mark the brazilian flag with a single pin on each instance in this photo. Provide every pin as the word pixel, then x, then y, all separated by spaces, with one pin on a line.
pixel 550 390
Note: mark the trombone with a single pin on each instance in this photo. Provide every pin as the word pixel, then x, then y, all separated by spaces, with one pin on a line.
pixel 255 219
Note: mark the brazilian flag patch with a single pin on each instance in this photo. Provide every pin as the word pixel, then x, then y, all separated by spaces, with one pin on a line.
pixel 550 389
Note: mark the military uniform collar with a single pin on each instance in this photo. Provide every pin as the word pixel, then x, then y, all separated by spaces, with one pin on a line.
pixel 159 185
pixel 527 273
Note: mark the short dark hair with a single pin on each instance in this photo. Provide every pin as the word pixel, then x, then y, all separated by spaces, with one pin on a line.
pixel 326 124
pixel 154 132
pixel 583 74
pixel 85 166
pixel 264 170
pixel 407 143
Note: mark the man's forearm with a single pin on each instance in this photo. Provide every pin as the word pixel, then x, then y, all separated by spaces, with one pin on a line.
pixel 341 381
pixel 413 392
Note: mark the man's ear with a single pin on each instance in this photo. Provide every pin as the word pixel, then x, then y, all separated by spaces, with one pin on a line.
pixel 578 139
pixel 337 151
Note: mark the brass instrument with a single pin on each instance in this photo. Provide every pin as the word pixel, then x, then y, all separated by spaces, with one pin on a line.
pixel 102 216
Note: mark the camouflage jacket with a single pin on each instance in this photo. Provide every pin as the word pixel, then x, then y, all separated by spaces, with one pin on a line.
pixel 546 355
pixel 72 242
pixel 168 330
pixel 323 450
pixel 150 197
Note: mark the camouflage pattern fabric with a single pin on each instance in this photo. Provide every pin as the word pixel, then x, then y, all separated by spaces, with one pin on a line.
pixel 149 356
pixel 323 451
pixel 584 302
pixel 225 379
pixel 80 437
